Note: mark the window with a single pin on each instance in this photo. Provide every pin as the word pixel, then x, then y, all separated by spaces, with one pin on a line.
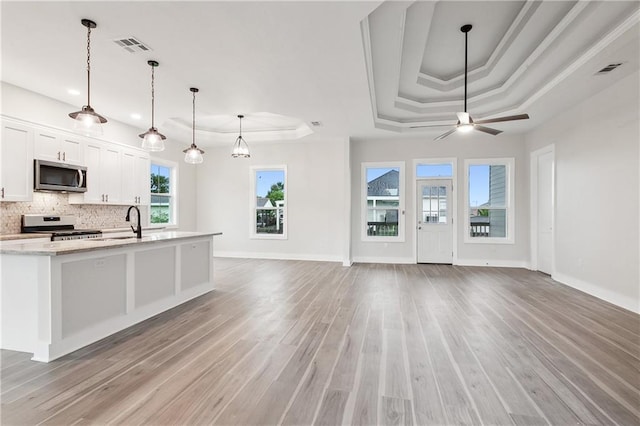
pixel 383 201
pixel 434 170
pixel 269 202
pixel 162 209
pixel 489 186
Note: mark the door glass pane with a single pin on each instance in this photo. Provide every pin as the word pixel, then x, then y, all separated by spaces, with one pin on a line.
pixel 434 170
pixel 434 204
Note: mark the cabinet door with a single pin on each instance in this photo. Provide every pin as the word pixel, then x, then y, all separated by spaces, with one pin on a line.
pixel 111 173
pixel 92 160
pixel 129 178
pixel 71 149
pixel 47 146
pixel 16 160
pixel 143 171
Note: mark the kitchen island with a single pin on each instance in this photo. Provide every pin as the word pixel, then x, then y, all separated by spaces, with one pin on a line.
pixel 57 297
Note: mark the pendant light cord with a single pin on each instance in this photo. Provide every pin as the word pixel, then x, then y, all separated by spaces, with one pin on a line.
pixel 241 128
pixel 88 65
pixel 153 97
pixel 465 70
pixel 193 137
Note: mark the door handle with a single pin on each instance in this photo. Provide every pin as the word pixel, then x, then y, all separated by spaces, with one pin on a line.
pixel 80 178
pixel 419 227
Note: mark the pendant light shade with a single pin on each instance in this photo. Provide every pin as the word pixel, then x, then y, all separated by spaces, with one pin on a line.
pixel 193 154
pixel 87 121
pixel 240 147
pixel 152 140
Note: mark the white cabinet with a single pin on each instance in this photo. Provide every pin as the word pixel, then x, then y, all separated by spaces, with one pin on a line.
pixel 16 160
pixel 104 175
pixel 135 174
pixel 53 146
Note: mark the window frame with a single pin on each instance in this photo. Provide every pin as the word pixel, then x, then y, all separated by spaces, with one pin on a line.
pixel 400 165
pixel 253 208
pixel 509 163
pixel 173 194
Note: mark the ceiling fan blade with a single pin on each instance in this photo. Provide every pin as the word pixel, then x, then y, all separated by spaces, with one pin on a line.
pixel 487 130
pixel 506 118
pixel 463 117
pixel 444 135
pixel 432 125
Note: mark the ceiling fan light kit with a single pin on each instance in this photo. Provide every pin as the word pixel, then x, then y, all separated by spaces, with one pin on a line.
pixel 87 121
pixel 152 140
pixel 465 123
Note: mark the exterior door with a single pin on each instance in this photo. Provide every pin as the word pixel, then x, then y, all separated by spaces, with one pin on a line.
pixel 545 212
pixel 434 227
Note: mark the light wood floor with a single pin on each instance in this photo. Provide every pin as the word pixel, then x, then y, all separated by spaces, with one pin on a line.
pixel 295 342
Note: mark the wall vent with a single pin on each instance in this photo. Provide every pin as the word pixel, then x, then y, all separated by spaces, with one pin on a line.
pixel 609 68
pixel 316 123
pixel 132 44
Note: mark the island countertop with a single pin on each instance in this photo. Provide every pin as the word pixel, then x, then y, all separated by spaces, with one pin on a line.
pixel 56 248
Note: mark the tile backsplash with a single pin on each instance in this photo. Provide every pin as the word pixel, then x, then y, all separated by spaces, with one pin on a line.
pixel 89 216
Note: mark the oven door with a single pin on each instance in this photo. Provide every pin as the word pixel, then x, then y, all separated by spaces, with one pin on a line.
pixel 51 176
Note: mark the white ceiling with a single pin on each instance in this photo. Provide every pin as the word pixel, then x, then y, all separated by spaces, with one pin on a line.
pixel 363 69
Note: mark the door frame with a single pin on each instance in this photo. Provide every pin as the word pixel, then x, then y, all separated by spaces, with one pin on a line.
pixel 533 206
pixel 454 201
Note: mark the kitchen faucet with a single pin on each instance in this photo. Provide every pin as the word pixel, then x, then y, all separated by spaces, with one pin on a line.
pixel 137 230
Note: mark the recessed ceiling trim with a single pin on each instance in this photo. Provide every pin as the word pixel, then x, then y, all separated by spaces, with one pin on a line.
pixel 524 15
pixel 502 88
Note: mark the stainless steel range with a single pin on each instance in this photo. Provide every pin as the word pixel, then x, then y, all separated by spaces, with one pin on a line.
pixel 60 227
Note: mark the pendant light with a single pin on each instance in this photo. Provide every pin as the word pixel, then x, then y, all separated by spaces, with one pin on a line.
pixel 87 121
pixel 240 148
pixel 152 140
pixel 193 154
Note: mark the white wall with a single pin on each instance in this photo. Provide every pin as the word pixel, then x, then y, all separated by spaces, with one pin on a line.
pixel 30 106
pixel 597 193
pixel 315 197
pixel 475 145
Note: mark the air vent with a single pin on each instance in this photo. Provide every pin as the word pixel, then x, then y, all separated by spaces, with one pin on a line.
pixel 132 45
pixel 316 123
pixel 609 68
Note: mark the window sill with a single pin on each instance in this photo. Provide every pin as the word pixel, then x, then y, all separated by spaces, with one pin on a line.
pixel 267 237
pixel 487 240
pixel 383 240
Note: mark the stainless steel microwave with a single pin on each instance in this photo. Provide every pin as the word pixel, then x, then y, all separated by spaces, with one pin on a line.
pixel 51 176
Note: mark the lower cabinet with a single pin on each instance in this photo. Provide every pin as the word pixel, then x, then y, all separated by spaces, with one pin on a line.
pixel 53 305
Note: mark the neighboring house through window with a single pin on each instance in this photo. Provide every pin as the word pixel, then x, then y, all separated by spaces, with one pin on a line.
pixel 163 193
pixel 490 201
pixel 268 202
pixel 383 201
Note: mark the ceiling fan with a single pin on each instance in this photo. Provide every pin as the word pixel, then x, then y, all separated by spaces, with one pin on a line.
pixel 465 122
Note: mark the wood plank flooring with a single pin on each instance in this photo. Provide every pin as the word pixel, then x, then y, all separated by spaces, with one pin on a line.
pixel 300 343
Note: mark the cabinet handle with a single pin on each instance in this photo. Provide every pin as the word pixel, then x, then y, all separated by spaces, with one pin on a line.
pixel 106 198
pixel 64 156
pixel 103 197
pixel 58 155
pixel 3 192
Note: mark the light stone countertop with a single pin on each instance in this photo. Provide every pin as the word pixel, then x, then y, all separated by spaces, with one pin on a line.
pixel 57 248
pixel 10 237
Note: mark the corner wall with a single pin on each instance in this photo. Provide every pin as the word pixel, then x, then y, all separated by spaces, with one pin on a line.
pixel 316 199
pixel 456 146
pixel 597 193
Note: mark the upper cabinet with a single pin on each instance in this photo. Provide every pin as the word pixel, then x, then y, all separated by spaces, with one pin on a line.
pixel 54 146
pixel 16 176
pixel 135 177
pixel 116 174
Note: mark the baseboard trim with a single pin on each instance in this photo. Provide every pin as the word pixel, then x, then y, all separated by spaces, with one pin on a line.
pixel 279 256
pixel 389 260
pixel 595 290
pixel 499 263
